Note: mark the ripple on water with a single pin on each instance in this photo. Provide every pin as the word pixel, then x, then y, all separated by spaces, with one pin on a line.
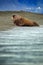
pixel 21 45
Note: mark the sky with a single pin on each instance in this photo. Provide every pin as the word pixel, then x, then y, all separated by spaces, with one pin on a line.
pixel 25 5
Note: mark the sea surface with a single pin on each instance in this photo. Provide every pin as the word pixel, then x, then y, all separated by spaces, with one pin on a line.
pixel 21 46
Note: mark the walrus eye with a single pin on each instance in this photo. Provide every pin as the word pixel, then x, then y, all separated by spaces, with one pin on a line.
pixel 14 16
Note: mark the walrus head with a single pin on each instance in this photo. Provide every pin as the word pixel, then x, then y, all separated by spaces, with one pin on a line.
pixel 17 19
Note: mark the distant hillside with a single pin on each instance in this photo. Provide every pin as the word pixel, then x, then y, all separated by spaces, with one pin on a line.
pixel 20 11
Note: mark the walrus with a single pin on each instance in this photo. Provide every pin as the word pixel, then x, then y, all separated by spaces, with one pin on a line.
pixel 21 21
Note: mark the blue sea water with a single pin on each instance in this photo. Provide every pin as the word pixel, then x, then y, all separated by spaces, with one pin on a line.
pixel 21 46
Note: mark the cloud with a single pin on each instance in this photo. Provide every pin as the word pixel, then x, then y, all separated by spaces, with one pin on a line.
pixel 34 9
pixel 28 8
pixel 39 7
pixel 38 10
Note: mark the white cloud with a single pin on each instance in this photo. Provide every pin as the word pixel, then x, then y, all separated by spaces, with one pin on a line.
pixel 39 8
pixel 28 8
pixel 34 9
